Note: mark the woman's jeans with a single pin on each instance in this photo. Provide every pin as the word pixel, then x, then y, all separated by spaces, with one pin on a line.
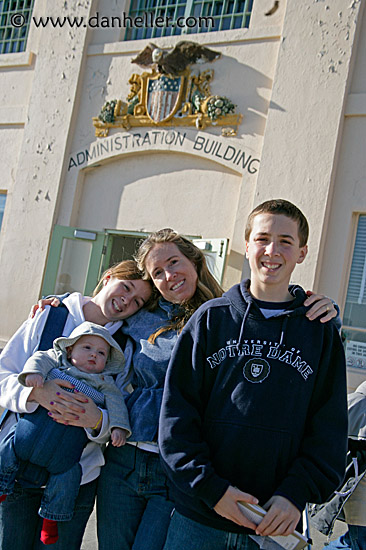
pixel 133 510
pixel 186 534
pixel 354 539
pixel 20 524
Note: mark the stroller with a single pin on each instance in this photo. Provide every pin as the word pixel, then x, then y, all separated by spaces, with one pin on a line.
pixel 324 516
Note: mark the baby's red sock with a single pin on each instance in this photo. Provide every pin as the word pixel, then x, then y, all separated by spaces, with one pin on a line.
pixel 49 533
pixel 3 497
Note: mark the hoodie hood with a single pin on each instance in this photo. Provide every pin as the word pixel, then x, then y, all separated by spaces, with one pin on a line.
pixel 239 297
pixel 115 359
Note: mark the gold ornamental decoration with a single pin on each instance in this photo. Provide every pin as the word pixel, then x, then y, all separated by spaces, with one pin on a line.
pixel 170 94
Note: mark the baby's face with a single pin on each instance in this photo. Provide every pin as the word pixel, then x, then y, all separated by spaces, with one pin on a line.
pixel 89 353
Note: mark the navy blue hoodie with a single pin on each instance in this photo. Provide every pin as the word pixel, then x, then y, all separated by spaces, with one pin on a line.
pixel 256 403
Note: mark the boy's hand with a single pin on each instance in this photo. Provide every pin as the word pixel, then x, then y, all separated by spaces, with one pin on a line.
pixel 34 381
pixel 118 437
pixel 281 518
pixel 229 509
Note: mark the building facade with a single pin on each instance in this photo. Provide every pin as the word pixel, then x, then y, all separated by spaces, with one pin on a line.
pixel 73 202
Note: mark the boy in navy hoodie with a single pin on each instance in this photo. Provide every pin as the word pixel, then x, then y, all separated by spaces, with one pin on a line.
pixel 255 405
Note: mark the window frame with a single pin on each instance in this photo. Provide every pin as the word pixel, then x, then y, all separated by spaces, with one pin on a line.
pixel 359 239
pixel 3 193
pixel 192 8
pixel 354 336
pixel 13 40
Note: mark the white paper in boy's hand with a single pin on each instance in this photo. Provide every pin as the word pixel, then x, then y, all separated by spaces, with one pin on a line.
pixel 265 543
pixel 255 513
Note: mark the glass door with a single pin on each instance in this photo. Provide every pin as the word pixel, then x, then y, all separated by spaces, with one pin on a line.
pixel 74 261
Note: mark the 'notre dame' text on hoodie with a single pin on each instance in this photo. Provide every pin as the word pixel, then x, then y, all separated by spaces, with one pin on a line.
pixel 256 403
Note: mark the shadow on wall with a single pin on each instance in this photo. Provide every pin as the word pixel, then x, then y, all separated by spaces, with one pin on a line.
pixel 250 90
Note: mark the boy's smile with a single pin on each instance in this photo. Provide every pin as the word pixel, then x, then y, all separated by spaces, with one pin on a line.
pixel 273 250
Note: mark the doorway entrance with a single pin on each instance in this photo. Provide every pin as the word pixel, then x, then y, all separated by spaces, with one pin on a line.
pixel 78 257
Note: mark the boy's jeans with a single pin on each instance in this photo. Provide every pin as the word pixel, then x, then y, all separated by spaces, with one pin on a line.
pixel 55 450
pixel 354 539
pixel 133 510
pixel 184 533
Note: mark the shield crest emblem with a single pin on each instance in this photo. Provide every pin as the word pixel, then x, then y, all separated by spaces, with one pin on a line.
pixel 256 369
pixel 163 97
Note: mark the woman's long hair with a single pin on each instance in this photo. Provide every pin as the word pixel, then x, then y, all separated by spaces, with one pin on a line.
pixel 207 286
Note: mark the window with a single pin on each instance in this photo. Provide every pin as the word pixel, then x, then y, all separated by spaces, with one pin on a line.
pixel 192 16
pixel 354 318
pixel 355 310
pixel 14 24
pixel 2 206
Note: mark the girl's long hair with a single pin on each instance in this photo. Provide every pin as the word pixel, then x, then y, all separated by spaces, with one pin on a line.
pixel 127 270
pixel 207 286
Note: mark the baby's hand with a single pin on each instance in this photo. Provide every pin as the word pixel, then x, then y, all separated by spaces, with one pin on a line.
pixel 118 437
pixel 34 381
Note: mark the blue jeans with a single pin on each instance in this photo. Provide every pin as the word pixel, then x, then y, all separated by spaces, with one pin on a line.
pixel 35 446
pixel 184 533
pixel 354 539
pixel 20 524
pixel 133 509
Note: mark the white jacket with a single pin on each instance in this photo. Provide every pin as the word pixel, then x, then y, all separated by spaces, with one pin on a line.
pixel 13 396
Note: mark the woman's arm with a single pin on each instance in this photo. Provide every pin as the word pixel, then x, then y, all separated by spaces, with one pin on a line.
pixel 322 307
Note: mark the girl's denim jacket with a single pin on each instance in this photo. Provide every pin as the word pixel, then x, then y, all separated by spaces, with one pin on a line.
pixel 150 363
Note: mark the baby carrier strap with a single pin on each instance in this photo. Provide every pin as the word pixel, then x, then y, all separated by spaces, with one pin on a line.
pixel 54 326
pixel 120 338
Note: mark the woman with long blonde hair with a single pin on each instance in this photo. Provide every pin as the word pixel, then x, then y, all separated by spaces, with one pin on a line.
pixel 133 505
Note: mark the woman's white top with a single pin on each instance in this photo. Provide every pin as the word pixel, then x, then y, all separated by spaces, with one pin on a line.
pixel 13 396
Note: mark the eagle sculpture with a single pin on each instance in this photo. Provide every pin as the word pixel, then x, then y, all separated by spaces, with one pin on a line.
pixel 174 62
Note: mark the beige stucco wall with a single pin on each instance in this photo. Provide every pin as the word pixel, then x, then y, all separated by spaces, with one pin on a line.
pixel 298 78
pixel 244 73
pixel 300 152
pixel 349 197
pixel 144 190
pixel 38 174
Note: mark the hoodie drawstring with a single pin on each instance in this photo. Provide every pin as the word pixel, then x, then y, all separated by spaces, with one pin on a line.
pixel 243 323
pixel 283 328
pixel 242 327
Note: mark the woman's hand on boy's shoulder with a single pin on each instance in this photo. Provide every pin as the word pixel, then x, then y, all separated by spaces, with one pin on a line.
pixel 321 306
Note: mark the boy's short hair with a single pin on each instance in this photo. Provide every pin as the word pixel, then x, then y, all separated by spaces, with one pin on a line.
pixel 286 208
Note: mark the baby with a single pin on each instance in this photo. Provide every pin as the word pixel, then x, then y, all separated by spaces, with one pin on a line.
pixel 89 357
pixel 89 354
